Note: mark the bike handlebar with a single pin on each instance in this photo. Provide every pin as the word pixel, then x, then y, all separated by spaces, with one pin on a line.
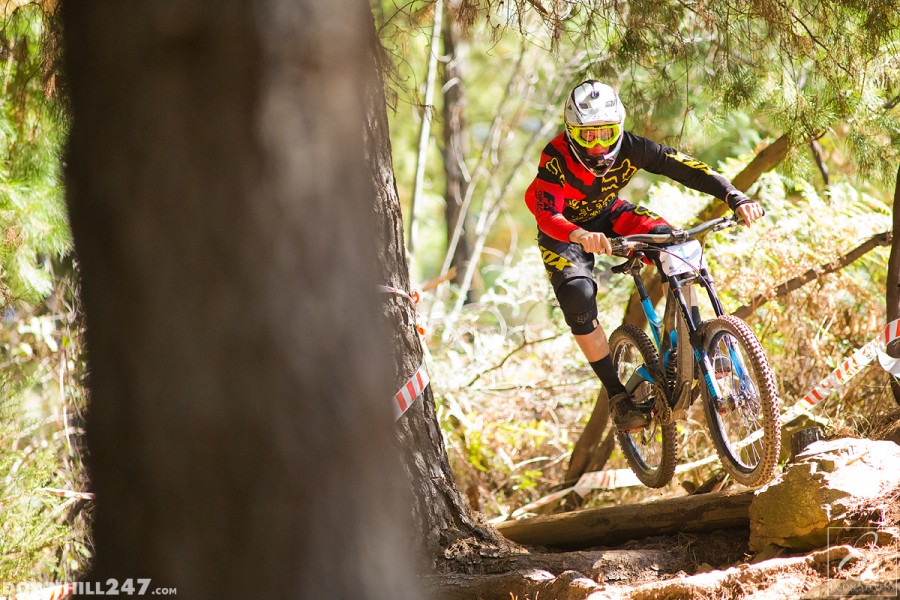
pixel 641 241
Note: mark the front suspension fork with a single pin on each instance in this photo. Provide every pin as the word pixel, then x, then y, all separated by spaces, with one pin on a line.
pixel 690 314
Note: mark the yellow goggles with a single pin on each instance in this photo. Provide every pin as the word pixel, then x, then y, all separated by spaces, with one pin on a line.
pixel 590 136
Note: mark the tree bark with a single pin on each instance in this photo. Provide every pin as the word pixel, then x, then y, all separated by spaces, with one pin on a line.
pixel 239 428
pixel 449 534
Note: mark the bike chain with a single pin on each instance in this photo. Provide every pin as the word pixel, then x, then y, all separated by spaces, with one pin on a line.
pixel 663 411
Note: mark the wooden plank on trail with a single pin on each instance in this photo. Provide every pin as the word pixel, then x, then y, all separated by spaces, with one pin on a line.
pixel 615 524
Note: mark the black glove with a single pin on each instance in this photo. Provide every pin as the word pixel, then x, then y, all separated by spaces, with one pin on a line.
pixel 736 198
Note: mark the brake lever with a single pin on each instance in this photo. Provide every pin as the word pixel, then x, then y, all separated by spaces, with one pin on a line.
pixel 625 247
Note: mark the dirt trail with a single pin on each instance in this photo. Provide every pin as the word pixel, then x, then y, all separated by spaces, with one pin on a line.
pixel 715 565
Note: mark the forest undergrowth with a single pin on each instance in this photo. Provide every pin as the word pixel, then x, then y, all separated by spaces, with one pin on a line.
pixel 514 393
pixel 45 535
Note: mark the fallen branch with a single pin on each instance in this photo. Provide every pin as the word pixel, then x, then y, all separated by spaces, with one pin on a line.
pixel 881 239
pixel 611 525
pixel 433 283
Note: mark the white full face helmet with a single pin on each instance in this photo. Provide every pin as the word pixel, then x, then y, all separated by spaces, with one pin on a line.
pixel 595 120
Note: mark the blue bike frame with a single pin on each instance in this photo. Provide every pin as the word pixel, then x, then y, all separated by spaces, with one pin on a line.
pixel 666 340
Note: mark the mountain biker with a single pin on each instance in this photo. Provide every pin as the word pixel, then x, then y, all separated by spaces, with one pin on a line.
pixel 575 201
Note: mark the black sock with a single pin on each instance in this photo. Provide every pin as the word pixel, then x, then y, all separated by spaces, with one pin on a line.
pixel 606 371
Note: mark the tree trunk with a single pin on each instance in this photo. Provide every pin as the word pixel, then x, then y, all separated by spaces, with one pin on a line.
pixel 239 431
pixel 455 152
pixel 892 295
pixel 450 535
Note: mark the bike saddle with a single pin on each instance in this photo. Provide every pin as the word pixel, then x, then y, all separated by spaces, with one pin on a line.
pixel 633 262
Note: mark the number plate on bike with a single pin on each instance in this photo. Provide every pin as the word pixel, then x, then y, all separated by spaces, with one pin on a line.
pixel 682 258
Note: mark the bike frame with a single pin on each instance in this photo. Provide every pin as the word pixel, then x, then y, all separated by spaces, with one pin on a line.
pixel 665 330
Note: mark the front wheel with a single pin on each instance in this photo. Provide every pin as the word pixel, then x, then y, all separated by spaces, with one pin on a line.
pixel 745 423
pixel 651 451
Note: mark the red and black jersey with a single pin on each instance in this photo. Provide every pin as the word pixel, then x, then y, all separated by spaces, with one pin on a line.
pixel 565 194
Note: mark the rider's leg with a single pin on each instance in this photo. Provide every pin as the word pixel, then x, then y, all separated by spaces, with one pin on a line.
pixel 578 300
pixel 570 269
pixel 595 348
pixel 594 345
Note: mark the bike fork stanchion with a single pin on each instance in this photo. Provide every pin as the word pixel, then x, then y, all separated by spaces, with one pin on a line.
pixel 706 281
pixel 697 351
pixel 647 304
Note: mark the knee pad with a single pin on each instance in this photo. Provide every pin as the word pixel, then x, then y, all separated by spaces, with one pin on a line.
pixel 578 301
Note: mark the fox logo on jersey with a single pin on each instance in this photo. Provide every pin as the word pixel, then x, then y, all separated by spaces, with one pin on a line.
pixel 554 169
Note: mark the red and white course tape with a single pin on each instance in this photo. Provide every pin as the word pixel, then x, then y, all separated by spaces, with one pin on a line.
pixel 850 368
pixel 415 296
pixel 410 391
pixel 621 478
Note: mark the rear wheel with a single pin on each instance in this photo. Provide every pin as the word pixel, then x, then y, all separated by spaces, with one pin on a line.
pixel 745 425
pixel 651 451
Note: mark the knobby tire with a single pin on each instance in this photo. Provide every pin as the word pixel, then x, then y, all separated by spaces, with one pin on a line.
pixel 754 465
pixel 662 441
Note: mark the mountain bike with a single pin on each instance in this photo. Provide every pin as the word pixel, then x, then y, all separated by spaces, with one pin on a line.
pixel 719 360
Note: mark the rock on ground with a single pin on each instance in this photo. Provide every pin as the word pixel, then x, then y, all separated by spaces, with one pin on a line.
pixel 820 493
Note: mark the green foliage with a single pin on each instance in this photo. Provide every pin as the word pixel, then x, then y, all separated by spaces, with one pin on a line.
pixel 33 226
pixel 720 80
pixel 42 537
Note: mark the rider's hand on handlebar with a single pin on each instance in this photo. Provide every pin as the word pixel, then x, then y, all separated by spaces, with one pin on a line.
pixel 749 212
pixel 591 241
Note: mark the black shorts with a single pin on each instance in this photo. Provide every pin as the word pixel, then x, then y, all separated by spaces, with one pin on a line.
pixel 564 261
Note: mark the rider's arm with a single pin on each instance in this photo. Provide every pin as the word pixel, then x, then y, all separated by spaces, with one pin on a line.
pixel 546 205
pixel 546 200
pixel 688 171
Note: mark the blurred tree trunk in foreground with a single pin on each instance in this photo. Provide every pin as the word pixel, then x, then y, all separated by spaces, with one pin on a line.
pixel 239 429
pixel 893 282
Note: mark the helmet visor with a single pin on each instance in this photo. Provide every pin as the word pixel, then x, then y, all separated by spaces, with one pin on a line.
pixel 591 136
